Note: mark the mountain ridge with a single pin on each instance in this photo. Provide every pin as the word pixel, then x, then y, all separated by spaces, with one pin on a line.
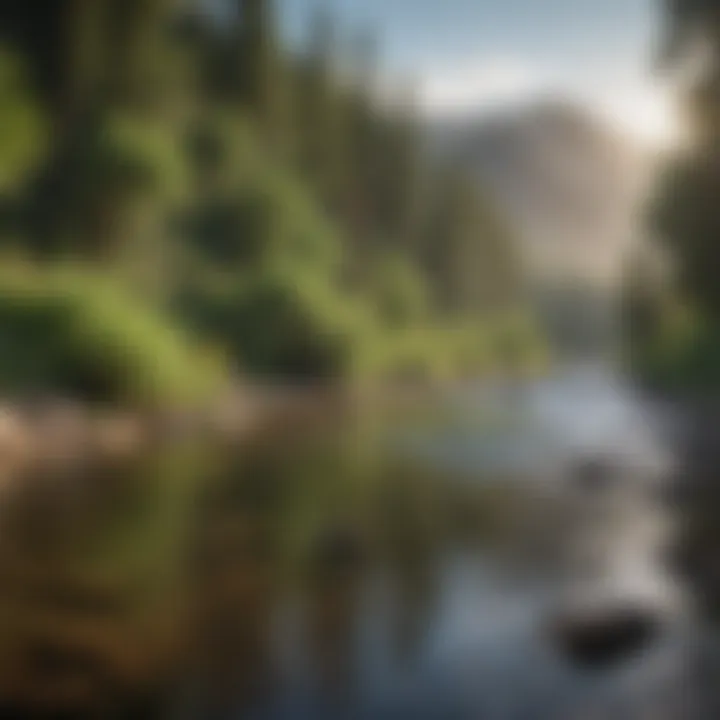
pixel 570 185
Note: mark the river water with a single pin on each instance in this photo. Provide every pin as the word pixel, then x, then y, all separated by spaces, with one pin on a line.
pixel 403 567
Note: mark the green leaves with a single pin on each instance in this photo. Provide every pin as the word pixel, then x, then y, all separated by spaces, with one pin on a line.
pixel 141 156
pixel 23 133
pixel 71 331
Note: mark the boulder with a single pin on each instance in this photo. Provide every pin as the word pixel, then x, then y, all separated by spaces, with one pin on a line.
pixel 594 473
pixel 603 636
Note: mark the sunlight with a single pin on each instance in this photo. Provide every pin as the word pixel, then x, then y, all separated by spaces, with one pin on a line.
pixel 648 114
pixel 636 106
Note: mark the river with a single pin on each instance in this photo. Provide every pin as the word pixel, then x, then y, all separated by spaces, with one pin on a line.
pixel 413 567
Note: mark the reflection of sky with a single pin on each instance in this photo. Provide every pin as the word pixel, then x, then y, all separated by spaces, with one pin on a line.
pixel 484 53
pixel 535 430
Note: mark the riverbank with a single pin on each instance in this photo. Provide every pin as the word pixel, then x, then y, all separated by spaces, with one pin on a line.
pixel 177 571
pixel 61 432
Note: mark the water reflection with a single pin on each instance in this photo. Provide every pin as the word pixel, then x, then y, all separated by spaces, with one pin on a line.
pixel 92 573
pixel 322 576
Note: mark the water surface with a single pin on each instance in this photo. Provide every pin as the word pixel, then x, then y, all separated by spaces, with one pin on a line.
pixel 395 568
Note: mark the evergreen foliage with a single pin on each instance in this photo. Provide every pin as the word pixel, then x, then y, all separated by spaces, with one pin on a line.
pixel 270 203
pixel 680 348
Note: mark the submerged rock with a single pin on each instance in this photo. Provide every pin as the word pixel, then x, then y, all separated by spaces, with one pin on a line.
pixel 594 473
pixel 604 636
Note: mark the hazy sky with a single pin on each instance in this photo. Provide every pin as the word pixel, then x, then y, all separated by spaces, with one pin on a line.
pixel 484 53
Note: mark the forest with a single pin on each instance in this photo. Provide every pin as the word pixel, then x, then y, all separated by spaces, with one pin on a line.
pixel 672 296
pixel 188 197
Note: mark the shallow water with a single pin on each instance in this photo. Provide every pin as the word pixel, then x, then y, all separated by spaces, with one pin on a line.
pixel 393 569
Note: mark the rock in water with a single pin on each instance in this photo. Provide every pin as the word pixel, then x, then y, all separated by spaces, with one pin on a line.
pixel 594 473
pixel 604 636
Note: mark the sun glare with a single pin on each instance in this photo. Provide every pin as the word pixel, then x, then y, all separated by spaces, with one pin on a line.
pixel 637 107
pixel 648 115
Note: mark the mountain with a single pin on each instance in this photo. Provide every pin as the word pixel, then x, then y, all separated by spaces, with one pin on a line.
pixel 569 186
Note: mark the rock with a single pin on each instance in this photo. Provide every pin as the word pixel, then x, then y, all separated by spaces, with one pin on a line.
pixel 61 434
pixel 594 473
pixel 15 441
pixel 117 436
pixel 606 635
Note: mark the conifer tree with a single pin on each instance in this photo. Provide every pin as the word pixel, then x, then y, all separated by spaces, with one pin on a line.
pixel 685 216
pixel 260 72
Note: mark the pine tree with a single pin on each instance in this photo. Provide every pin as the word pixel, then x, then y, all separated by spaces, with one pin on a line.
pixel 469 255
pixel 685 216
pixel 319 114
pixel 400 185
pixel 261 77
pixel 362 165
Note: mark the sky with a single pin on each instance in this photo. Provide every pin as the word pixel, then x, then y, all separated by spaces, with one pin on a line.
pixel 480 55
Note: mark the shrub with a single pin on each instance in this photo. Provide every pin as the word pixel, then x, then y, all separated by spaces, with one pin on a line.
pixel 23 134
pixel 67 332
pixel 399 291
pixel 284 324
pixel 682 356
pixel 255 211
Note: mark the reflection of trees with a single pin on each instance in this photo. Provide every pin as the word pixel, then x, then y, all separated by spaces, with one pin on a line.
pixel 128 586
pixel 412 516
pixel 333 592
pixel 234 601
pixel 264 518
pixel 696 552
pixel 233 580
pixel 91 565
pixel 416 589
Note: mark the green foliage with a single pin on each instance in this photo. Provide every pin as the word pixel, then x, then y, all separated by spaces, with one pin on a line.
pixel 674 339
pixel 686 219
pixel 273 207
pixel 682 357
pixel 447 350
pixel 469 257
pixel 256 211
pixel 399 291
pixel 283 323
pixel 141 155
pixel 294 329
pixel 260 72
pixel 111 175
pixel 22 128
pixel 67 331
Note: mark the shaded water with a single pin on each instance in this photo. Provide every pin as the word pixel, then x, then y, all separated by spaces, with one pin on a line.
pixel 403 568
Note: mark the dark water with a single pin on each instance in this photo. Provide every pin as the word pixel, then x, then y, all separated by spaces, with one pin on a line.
pixel 396 568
